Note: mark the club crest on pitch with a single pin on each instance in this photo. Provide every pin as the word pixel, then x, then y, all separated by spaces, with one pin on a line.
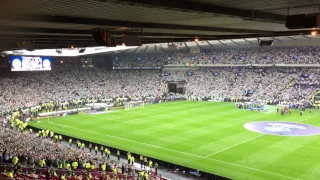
pixel 282 128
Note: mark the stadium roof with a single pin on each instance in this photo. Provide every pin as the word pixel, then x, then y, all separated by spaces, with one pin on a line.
pixel 66 23
pixel 299 40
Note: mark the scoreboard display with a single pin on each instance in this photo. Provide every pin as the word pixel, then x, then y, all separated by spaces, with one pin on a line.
pixel 28 63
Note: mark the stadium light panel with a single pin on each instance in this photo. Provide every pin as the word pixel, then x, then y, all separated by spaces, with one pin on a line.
pixel 66 52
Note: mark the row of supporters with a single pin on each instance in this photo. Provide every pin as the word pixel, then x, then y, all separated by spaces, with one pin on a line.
pixel 247 55
pixel 31 112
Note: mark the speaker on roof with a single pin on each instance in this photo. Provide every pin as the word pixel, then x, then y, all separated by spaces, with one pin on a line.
pixel 265 42
pixel 295 21
pixel 103 37
pixel 312 21
pixel 131 40
pixel 301 21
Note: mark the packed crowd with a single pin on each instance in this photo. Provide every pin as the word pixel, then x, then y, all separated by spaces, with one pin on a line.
pixel 19 90
pixel 63 84
pixel 248 83
pixel 30 155
pixel 303 88
pixel 251 55
pixel 139 60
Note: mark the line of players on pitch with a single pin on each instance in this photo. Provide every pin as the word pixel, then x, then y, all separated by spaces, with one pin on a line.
pixel 144 162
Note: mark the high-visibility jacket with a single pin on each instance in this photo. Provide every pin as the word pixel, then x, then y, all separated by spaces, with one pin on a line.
pixel 60 165
pixel 42 163
pixel 62 177
pixel 146 175
pixel 88 165
pixel 15 160
pixel 68 166
pixel 10 175
pixel 74 165
pixel 115 171
pixel 103 167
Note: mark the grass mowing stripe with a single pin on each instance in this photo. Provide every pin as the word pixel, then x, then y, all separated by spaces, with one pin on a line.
pixel 251 139
pixel 159 147
pixel 234 146
pixel 190 135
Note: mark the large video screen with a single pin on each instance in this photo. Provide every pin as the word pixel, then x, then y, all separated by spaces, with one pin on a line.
pixel 28 63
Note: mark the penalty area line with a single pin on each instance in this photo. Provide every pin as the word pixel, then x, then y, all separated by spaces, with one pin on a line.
pixel 181 152
pixel 234 146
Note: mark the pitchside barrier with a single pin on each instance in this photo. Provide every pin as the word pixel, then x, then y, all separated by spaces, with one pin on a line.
pixel 93 106
pixel 216 100
pixel 99 106
pixel 133 104
pixel 64 112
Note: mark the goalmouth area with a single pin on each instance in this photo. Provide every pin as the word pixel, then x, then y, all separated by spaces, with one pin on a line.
pixel 209 136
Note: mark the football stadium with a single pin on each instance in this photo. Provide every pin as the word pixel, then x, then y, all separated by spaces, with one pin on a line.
pixel 160 90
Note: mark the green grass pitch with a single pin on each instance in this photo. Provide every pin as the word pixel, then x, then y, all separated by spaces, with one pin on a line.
pixel 208 136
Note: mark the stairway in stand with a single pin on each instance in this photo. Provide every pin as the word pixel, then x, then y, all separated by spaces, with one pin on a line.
pixel 289 84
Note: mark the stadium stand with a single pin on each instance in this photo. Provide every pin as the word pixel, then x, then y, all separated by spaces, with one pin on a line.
pixel 29 156
pixel 66 83
pixel 250 55
pixel 193 50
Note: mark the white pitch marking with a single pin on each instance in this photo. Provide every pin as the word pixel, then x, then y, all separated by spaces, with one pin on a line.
pixel 159 147
pixel 234 145
pixel 308 118
pixel 159 115
pixel 253 138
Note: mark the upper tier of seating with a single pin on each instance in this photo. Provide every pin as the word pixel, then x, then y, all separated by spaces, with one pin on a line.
pixel 252 55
